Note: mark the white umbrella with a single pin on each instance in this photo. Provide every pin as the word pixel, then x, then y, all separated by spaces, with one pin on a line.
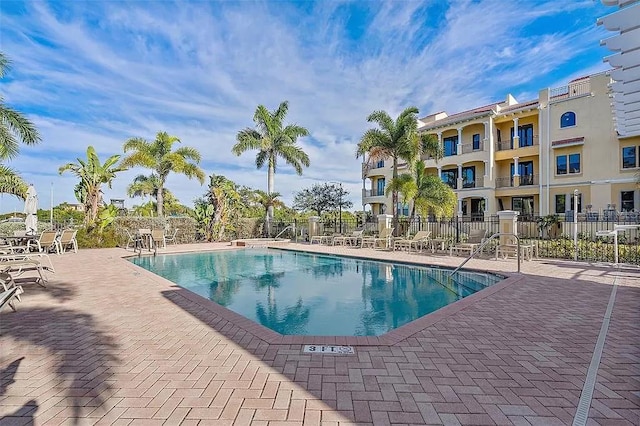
pixel 31 210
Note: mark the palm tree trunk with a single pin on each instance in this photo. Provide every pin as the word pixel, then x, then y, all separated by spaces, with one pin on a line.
pixel 394 197
pixel 160 200
pixel 270 185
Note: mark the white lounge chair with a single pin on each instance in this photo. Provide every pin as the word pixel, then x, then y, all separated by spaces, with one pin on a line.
pixel 476 237
pixel 68 240
pixel 48 240
pixel 384 240
pixel 7 298
pixel 418 241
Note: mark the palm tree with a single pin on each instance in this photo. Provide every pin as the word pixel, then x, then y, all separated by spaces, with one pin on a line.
pixel 92 175
pixel 14 129
pixel 157 156
pixel 397 139
pixel 273 141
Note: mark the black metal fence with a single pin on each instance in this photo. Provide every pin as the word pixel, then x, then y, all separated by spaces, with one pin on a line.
pixel 553 237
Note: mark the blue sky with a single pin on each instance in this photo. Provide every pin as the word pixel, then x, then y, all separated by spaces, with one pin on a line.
pixel 99 72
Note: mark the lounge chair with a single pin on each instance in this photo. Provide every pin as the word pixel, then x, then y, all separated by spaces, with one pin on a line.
pixel 8 283
pixel 7 298
pixel 476 237
pixel 418 241
pixel 384 240
pixel 352 239
pixel 18 263
pixel 48 240
pixel 68 240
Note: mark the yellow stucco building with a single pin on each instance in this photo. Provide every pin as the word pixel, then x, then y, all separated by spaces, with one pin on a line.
pixel 530 156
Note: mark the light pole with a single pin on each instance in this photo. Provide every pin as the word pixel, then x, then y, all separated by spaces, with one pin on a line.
pixel 339 204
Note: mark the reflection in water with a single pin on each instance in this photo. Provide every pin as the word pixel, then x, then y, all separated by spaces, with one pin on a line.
pixel 298 293
pixel 294 320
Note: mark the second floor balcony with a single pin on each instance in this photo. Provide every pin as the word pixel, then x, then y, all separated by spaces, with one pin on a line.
pixel 523 180
pixel 523 142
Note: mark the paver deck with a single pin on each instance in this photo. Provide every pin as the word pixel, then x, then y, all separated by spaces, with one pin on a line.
pixel 109 343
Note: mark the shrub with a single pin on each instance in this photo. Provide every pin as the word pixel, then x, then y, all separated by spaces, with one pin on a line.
pixel 93 238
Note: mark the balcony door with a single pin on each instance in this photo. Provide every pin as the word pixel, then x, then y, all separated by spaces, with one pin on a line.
pixel 525 170
pixel 380 187
pixel 525 134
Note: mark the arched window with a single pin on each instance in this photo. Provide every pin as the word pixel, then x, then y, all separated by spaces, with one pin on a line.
pixel 568 119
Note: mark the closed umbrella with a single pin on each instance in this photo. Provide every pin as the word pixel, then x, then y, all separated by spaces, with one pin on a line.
pixel 31 210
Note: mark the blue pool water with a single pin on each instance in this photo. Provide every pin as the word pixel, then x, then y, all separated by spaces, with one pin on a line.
pixel 298 293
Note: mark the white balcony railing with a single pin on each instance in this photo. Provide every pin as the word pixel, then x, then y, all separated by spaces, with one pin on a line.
pixel 574 89
pixel 523 143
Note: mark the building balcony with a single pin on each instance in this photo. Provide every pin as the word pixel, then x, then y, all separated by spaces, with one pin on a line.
pixel 370 170
pixel 580 87
pixel 469 148
pixel 477 183
pixel 510 181
pixel 373 196
pixel 524 143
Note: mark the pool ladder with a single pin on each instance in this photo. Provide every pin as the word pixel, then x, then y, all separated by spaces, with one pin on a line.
pixel 292 227
pixel 482 246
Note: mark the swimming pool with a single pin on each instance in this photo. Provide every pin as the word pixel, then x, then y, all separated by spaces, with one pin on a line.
pixel 298 293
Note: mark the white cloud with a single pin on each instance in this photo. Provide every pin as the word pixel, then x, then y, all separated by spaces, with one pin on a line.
pixel 99 73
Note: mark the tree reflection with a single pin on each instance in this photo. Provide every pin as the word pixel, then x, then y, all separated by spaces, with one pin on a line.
pixel 293 321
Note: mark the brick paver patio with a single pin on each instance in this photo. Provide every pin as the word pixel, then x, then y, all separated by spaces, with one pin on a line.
pixel 109 343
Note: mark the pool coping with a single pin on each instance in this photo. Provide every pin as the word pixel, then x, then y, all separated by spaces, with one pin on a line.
pixel 388 339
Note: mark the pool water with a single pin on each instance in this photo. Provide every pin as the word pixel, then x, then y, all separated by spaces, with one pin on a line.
pixel 297 293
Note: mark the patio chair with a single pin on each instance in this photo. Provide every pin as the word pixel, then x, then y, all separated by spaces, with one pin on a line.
pixel 352 239
pixel 476 237
pixel 418 241
pixel 18 267
pixel 8 283
pixel 7 298
pixel 171 238
pixel 385 237
pixel 68 240
pixel 48 240
pixel 157 238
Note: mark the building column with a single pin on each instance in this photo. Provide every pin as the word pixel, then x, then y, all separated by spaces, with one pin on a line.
pixel 487 129
pixel 459 207
pixel 440 172
pixel 459 146
pixel 440 141
pixel 516 138
pixel 486 211
pixel 459 182
pixel 516 173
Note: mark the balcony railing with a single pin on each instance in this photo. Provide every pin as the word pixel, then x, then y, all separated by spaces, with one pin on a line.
pixel 525 180
pixel 372 193
pixel 577 88
pixel 468 147
pixel 523 143
pixel 478 183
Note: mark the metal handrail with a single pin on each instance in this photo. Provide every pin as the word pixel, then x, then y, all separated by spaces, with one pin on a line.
pixel 292 227
pixel 479 249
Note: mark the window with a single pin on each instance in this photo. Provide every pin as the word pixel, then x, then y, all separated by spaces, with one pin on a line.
pixel 568 119
pixel 469 177
pixel 450 145
pixel 524 205
pixel 380 189
pixel 476 141
pixel 525 170
pixel 525 136
pixel 629 157
pixel 380 164
pixel 574 163
pixel 628 201
pixel 402 209
pixel 450 177
pixel 568 164
pixel 561 203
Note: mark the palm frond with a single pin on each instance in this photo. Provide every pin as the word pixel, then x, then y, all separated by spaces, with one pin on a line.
pixel 18 125
pixel 247 139
pixel 11 182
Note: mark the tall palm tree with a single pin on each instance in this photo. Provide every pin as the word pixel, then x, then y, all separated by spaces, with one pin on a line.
pixel 398 140
pixel 92 176
pixel 272 140
pixel 159 157
pixel 14 129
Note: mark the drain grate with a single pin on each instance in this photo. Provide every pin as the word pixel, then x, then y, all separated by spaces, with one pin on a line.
pixel 582 413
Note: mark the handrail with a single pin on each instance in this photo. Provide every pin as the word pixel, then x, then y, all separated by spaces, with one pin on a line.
pixel 479 249
pixel 293 228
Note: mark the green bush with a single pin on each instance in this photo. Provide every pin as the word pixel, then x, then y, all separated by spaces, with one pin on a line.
pixel 93 238
pixel 185 225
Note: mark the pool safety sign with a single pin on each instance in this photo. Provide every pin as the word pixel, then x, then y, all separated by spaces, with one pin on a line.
pixel 328 349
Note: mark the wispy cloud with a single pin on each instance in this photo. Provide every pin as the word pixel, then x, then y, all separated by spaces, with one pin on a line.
pixel 101 72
